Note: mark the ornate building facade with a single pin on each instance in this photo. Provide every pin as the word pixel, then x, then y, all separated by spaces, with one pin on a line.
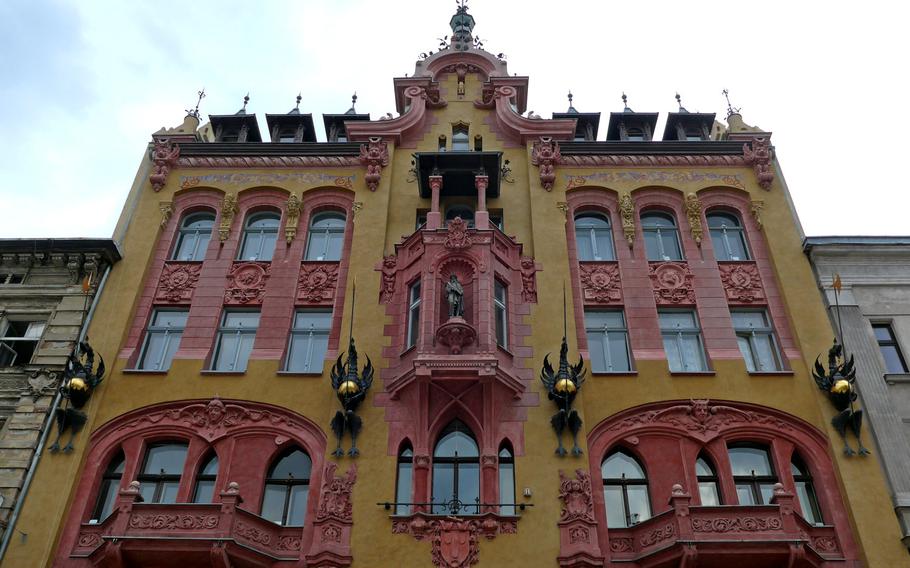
pixel 243 425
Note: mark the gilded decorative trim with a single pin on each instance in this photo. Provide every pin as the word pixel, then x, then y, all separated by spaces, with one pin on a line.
pixel 693 214
pixel 757 206
pixel 167 209
pixel 228 210
pixel 627 210
pixel 293 216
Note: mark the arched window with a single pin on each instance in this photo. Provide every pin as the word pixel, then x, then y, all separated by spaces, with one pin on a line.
pixel 110 485
pixel 805 491
pixel 205 481
pixel 460 138
pixel 506 481
pixel 326 237
pixel 753 474
pixel 287 488
pixel 405 476
pixel 708 489
pixel 625 490
pixel 463 211
pixel 161 472
pixel 456 472
pixel 259 237
pixel 193 237
pixel 593 237
pixel 727 237
pixel 661 236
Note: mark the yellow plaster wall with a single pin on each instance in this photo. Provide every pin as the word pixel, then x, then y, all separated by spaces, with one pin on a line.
pixel 533 216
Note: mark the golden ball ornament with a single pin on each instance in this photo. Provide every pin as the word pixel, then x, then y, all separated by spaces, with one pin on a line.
pixel 840 387
pixel 77 384
pixel 565 386
pixel 348 387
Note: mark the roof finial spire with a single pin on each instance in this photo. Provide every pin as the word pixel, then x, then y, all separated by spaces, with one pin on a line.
pixel 195 111
pixel 246 99
pixel 730 108
pixel 298 101
pixel 679 102
pixel 625 104
pixel 352 110
pixel 571 107
pixel 462 25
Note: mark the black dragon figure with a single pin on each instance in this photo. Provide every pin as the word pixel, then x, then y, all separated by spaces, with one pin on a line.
pixel 350 389
pixel 838 383
pixel 80 378
pixel 562 386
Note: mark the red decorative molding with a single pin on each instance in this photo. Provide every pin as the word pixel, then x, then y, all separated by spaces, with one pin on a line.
pixel 173 522
pixel 405 128
pixel 759 157
pixel 600 282
pixel 177 282
pixel 334 519
pixel 246 282
pixel 457 236
pixel 672 283
pixel 545 155
pixel 374 155
pixel 164 156
pixel 583 161
pixel 518 128
pixel 529 270
pixel 389 270
pixel 456 334
pixel 268 161
pixel 578 542
pixel 455 540
pixel 742 282
pixel 700 417
pixel 317 282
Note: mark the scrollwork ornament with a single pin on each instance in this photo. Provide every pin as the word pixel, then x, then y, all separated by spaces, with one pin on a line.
pixel 167 209
pixel 693 214
pixel 293 216
pixel 627 212
pixel 228 210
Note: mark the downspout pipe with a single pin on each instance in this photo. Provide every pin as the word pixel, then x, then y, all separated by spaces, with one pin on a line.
pixel 33 466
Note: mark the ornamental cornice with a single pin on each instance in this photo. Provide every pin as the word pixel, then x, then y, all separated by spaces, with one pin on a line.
pixel 267 161
pixel 597 160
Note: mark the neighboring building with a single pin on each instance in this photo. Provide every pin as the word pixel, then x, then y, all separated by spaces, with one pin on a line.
pixel 873 309
pixel 46 289
pixel 464 225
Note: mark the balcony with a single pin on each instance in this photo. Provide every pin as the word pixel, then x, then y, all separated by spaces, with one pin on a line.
pixel 746 536
pixel 186 534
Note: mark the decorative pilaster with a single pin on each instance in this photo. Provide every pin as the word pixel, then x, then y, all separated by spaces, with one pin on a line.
pixel 228 210
pixel 331 547
pixel 693 214
pixel 434 218
pixel 389 269
pixel 374 155
pixel 627 211
pixel 545 155
pixel 293 217
pixel 578 542
pixel 481 216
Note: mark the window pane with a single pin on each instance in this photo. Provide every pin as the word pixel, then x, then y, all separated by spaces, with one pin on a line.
pixel 469 487
pixel 702 468
pixel 252 243
pixel 584 244
pixel 328 221
pixel 893 361
pixel 155 344
pixel 205 489
pixel 297 505
pixel 745 461
pixel 707 491
pixel 652 246
pixel 620 465
pixel 670 240
pixel 596 352
pixel 807 501
pixel 737 242
pixel 619 352
pixel 766 352
pixel 616 513
pixel 166 459
pixel 211 468
pixel 169 492
pixel 720 245
pixel 456 444
pixel 677 320
pixel 295 465
pixel 744 494
pixel 246 347
pixel 767 492
pixel 273 503
pixel 746 349
pixel 108 496
pixel 403 490
pixel 639 507
pixel 413 326
pixel 612 320
pixel 268 246
pixel 443 486
pixel 748 320
pixel 882 333
pixel 316 247
pixel 264 222
pixel 507 488
pixel 169 318
pixel 335 243
pixel 313 320
pixel 693 356
pixel 674 356
pixel 604 242
pixel 307 352
pixel 246 320
pixel 147 490
pixel 227 351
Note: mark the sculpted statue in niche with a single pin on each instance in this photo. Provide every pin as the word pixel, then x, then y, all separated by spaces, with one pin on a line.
pixel 455 297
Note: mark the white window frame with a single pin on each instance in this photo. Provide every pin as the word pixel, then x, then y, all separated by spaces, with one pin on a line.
pixel 328 232
pixel 750 333
pixel 167 331
pixel 413 330
pixel 590 232
pixel 501 313
pixel 184 232
pixel 677 334
pixel 605 331
pixel 7 343
pixel 262 232
pixel 739 232
pixel 658 230
pixel 308 334
pixel 239 331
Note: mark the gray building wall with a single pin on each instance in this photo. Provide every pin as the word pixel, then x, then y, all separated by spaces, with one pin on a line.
pixel 875 278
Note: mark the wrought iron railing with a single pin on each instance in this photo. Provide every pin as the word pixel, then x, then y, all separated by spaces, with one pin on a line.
pixel 456 506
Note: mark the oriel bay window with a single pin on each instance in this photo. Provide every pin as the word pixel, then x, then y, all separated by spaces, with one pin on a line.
pixel 608 341
pixel 593 237
pixel 205 480
pixel 325 238
pixel 456 472
pixel 404 480
pixel 500 314
pixel 287 488
pixel 110 486
pixel 727 237
pixel 413 313
pixel 162 339
pixel 753 474
pixel 161 471
pixel 625 490
pixel 661 237
pixel 235 340
pixel 708 491
pixel 193 237
pixel 309 341
pixel 682 341
pixel 259 237
pixel 755 337
pixel 506 481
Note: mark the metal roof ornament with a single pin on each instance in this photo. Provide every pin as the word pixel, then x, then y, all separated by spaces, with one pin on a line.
pixel 194 112
pixel 353 103
pixel 246 100
pixel 296 109
pixel 679 102
pixel 571 108
pixel 625 103
pixel 730 108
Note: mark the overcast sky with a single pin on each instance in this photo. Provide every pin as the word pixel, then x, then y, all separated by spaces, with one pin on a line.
pixel 87 82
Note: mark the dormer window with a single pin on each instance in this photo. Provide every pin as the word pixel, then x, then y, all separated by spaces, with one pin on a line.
pixel 693 135
pixel 287 135
pixel 460 140
pixel 230 137
pixel 635 135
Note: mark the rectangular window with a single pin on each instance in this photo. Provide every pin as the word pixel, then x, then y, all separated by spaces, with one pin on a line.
pixel 756 340
pixel 891 351
pixel 235 340
pixel 309 341
pixel 682 341
pixel 608 342
pixel 500 304
pixel 162 339
pixel 413 313
pixel 18 341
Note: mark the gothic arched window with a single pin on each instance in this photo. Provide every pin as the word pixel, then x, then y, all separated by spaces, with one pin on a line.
pixel 110 485
pixel 593 237
pixel 287 488
pixel 506 480
pixel 625 490
pixel 404 479
pixel 193 237
pixel 727 236
pixel 456 472
pixel 661 236
pixel 325 238
pixel 259 237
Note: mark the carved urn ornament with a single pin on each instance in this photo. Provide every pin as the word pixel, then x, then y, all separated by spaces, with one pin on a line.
pixel 838 383
pixel 80 377
pixel 562 386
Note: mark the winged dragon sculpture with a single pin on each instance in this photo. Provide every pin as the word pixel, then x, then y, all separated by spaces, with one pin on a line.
pixel 838 383
pixel 562 385
pixel 351 389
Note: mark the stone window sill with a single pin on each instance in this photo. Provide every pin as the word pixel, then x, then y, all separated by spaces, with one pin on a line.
pixel 692 373
pixel 222 373
pixel 144 371
pixel 771 373
pixel 299 373
pixel 895 378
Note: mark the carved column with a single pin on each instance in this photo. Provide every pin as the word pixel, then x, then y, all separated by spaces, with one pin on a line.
pixel 331 547
pixel 680 500
pixel 421 481
pixel 578 540
pixel 481 216
pixel 434 220
pixel 785 500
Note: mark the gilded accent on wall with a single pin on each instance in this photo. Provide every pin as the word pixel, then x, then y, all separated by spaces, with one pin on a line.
pixel 248 180
pixel 660 177
pixel 627 211
pixel 693 214
pixel 293 216
pixel 228 210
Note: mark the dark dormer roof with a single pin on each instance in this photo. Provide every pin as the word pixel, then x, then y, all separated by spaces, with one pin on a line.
pixel 234 122
pixel 338 120
pixel 293 120
pixel 703 121
pixel 631 119
pixel 584 119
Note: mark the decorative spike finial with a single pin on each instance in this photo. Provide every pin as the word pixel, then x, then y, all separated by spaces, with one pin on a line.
pixel 679 101
pixel 353 99
pixel 570 97
pixel 246 99
pixel 298 101
pixel 625 103
pixel 730 108
pixel 195 112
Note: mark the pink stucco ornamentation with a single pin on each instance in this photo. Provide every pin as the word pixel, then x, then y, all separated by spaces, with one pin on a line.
pixel 672 283
pixel 375 156
pixel 317 282
pixel 177 282
pixel 545 155
pixel 456 334
pixel 389 270
pixel 164 156
pixel 455 540
pixel 600 282
pixel 742 283
pixel 246 282
pixel 528 280
pixel 578 546
pixel 457 237
pixel 759 157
